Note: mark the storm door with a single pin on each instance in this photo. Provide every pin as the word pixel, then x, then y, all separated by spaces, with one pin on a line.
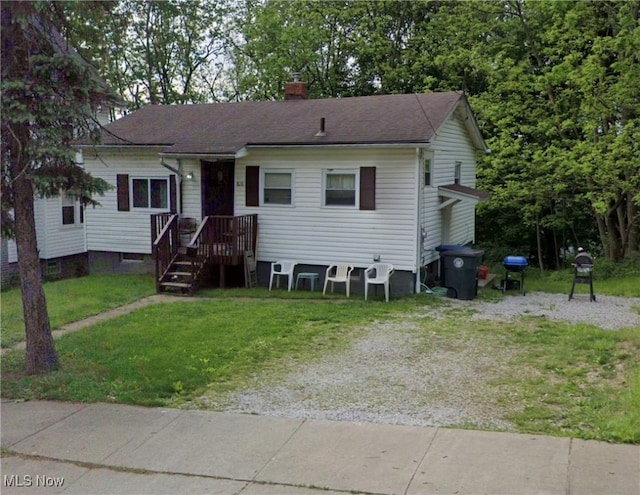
pixel 217 187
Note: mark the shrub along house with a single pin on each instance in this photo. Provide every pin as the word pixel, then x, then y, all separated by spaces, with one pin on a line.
pixel 387 177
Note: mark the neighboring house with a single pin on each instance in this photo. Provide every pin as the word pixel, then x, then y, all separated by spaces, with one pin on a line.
pixel 59 230
pixel 387 178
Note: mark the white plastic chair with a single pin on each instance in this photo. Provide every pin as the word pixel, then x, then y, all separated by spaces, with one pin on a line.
pixel 340 272
pixel 378 273
pixel 282 268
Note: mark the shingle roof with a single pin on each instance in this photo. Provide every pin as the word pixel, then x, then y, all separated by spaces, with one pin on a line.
pixel 221 128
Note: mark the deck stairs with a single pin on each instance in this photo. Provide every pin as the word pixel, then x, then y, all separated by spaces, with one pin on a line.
pixel 184 273
pixel 187 255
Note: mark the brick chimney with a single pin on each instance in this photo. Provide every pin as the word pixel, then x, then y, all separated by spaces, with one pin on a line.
pixel 296 90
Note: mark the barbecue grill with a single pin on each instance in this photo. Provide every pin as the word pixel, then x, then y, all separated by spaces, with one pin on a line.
pixel 514 264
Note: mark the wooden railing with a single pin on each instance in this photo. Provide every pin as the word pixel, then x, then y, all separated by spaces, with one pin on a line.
pixel 158 221
pixel 224 239
pixel 165 245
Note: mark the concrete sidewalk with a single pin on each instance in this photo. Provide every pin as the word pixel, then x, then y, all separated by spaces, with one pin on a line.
pixel 55 447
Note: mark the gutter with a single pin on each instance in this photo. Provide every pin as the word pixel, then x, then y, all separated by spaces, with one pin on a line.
pixel 343 145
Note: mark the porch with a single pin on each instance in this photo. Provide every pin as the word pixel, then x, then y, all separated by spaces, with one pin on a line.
pixel 185 254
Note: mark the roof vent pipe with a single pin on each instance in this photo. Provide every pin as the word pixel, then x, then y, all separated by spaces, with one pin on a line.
pixel 321 131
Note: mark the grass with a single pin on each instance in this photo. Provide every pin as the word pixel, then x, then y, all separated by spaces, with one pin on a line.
pixel 561 379
pixel 574 380
pixel 560 281
pixel 73 299
pixel 164 353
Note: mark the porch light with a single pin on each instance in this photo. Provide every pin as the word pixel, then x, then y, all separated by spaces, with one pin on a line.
pixel 189 175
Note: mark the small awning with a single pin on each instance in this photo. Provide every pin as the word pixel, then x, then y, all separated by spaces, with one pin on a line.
pixel 453 193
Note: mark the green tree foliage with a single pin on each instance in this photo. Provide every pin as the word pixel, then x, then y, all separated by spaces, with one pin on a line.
pixel 49 95
pixel 561 114
pixel 155 52
pixel 283 37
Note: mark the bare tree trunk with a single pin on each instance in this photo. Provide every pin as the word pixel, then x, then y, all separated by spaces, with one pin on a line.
pixel 632 225
pixel 539 245
pixel 602 231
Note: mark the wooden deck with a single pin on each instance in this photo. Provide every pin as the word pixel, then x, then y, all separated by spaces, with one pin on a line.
pixel 219 241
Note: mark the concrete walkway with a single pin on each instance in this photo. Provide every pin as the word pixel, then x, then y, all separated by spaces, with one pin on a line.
pixel 55 447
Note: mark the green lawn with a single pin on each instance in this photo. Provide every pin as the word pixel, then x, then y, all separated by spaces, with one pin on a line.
pixel 560 282
pixel 73 299
pixel 623 284
pixel 162 352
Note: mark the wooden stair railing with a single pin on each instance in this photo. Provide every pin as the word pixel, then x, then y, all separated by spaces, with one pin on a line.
pixel 165 246
pixel 218 241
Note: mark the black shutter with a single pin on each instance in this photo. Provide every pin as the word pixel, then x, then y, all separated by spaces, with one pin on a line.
pixel 252 182
pixel 122 183
pixel 173 201
pixel 367 188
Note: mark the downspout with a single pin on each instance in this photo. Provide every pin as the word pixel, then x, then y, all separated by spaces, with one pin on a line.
pixel 178 173
pixel 419 240
pixel 80 163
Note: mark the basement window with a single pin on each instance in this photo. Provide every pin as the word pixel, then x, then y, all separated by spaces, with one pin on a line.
pixel 131 257
pixel 53 268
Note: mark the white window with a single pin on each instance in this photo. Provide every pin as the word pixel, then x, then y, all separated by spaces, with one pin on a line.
pixel 150 193
pixel 72 210
pixel 277 187
pixel 68 210
pixel 428 172
pixel 340 188
pixel 457 172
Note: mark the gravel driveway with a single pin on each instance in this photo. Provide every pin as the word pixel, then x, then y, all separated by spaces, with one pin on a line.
pixel 395 374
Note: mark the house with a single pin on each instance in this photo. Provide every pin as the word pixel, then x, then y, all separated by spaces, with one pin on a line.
pixel 60 231
pixel 361 179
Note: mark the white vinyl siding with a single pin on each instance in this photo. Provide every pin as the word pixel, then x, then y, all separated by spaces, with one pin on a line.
pixel 453 144
pixel 191 189
pixel 312 234
pixel 123 231
pixel 54 239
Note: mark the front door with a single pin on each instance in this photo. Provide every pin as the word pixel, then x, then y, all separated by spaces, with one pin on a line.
pixel 217 187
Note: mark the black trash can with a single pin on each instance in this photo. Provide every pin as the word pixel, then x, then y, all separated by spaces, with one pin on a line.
pixel 444 248
pixel 461 272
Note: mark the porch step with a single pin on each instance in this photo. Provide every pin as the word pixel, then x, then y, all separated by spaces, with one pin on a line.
pixel 186 262
pixel 178 274
pixel 177 285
